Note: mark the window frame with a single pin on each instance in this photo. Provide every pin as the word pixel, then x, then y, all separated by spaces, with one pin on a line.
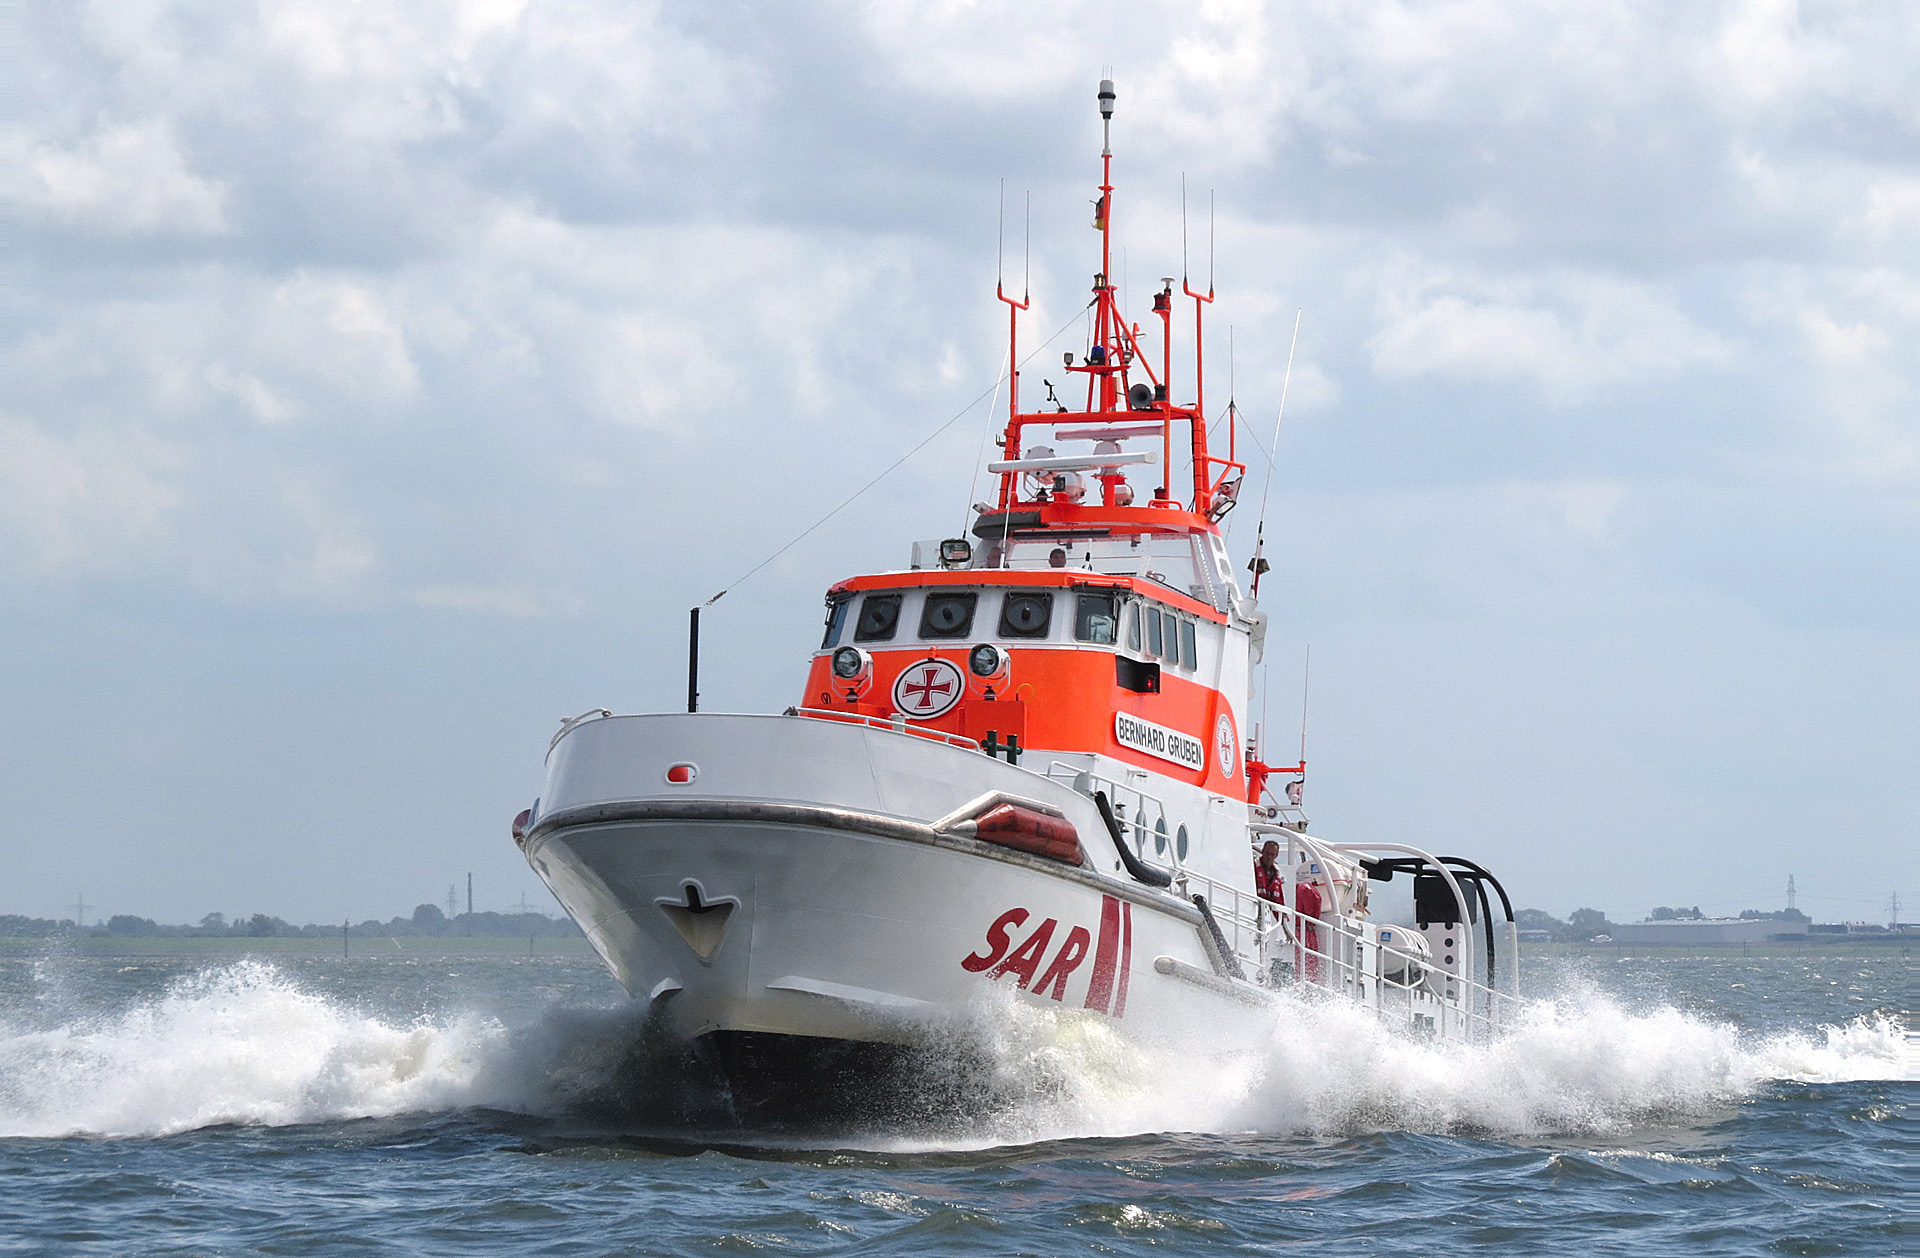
pixel 837 607
pixel 1082 619
pixel 934 598
pixel 1046 623
pixel 876 598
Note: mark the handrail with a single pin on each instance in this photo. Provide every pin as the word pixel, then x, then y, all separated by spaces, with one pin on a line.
pixel 1513 938
pixel 1336 971
pixel 1087 782
pixel 1475 1009
pixel 566 725
pixel 979 804
pixel 896 725
pixel 1459 896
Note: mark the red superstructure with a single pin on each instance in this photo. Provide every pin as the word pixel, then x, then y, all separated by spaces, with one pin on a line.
pixel 1112 626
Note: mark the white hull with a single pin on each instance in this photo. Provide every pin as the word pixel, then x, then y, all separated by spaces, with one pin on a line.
pixel 795 886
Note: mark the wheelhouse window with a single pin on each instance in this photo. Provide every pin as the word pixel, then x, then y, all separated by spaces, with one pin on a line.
pixel 1156 639
pixel 1189 646
pixel 879 618
pixel 836 620
pixel 1096 619
pixel 1026 614
pixel 948 615
pixel 1133 627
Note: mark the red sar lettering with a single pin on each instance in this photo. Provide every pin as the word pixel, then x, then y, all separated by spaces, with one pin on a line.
pixel 1024 961
pixel 998 941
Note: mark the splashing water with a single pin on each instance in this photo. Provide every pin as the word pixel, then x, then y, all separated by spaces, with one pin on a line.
pixel 245 1043
pixel 1579 1064
pixel 237 1044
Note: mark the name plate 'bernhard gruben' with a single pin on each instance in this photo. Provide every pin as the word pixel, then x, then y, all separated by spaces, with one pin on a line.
pixel 1158 740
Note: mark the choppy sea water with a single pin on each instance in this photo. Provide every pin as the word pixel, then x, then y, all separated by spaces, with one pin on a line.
pixel 484 1105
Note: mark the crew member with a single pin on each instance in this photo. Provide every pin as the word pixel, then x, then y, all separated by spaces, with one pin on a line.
pixel 1268 883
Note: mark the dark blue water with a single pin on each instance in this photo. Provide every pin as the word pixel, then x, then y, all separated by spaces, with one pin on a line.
pixel 1726 1105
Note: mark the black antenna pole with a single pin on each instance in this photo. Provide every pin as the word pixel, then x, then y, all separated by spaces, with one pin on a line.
pixel 693 659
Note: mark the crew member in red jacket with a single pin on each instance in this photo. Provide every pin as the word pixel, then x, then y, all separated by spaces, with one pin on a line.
pixel 1268 882
pixel 1271 885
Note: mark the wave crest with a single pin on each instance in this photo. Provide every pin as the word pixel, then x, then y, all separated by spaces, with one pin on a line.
pixel 244 1043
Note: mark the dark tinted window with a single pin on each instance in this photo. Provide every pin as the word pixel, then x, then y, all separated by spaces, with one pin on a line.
pixel 1156 644
pixel 947 615
pixel 1094 619
pixel 879 617
pixel 1025 614
pixel 836 621
pixel 1133 627
pixel 1189 649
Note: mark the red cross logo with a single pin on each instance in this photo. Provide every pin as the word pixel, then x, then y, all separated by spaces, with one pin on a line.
pixel 928 688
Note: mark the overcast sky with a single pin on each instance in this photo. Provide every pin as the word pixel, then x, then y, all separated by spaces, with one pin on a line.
pixel 384 381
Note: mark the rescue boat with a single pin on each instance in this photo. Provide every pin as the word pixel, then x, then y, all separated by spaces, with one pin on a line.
pixel 1019 764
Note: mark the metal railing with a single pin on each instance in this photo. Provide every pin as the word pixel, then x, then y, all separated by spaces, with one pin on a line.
pixel 1338 956
pixel 1131 808
pixel 896 724
pixel 1341 954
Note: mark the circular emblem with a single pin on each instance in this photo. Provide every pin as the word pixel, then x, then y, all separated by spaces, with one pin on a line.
pixel 1229 747
pixel 927 688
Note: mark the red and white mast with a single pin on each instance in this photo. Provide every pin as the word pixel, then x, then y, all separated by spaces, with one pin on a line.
pixel 1118 408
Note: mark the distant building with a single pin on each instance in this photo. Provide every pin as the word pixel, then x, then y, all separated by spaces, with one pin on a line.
pixel 1706 930
pixel 1535 936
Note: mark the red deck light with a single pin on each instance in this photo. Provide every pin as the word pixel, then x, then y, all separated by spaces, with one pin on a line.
pixel 682 773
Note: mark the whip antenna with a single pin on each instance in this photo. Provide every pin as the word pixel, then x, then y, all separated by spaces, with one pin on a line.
pixel 1258 564
pixel 1306 677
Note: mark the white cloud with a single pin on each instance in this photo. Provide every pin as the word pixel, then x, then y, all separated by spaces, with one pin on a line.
pixel 262 402
pixel 1569 333
pixel 124 180
pixel 1892 208
pixel 343 331
pixel 78 503
pixel 1834 342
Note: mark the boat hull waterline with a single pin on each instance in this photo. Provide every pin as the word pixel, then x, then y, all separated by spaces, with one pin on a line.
pixel 843 914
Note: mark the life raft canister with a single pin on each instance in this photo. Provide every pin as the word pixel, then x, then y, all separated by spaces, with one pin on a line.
pixel 1028 831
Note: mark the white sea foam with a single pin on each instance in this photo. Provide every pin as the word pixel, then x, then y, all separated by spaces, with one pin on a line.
pixel 1583 1064
pixel 239 1044
pixel 245 1043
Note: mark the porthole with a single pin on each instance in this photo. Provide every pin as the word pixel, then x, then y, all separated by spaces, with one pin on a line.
pixel 1160 837
pixel 1180 844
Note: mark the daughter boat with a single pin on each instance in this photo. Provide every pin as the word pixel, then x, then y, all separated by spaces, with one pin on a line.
pixel 1022 762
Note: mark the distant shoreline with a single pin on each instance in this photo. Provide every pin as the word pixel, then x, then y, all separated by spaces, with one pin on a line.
pixel 291 945
pixel 577 946
pixel 1817 943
